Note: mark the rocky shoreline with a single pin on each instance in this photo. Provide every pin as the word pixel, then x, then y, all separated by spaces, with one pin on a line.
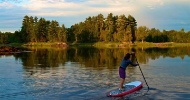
pixel 5 50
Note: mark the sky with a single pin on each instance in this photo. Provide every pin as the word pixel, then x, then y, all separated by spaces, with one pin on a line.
pixel 159 14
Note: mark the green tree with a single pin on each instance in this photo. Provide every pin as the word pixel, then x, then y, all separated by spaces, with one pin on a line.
pixel 142 33
pixel 25 29
pixel 99 27
pixel 109 27
pixel 154 35
pixel 31 30
pixel 70 34
pixel 28 29
pixel 122 33
pixel 78 30
pixel 54 31
pixel 63 34
pixel 2 38
pixel 6 38
pixel 88 33
pixel 132 24
pixel 18 36
pixel 42 30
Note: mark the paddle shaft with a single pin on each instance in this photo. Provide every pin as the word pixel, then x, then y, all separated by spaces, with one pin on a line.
pixel 142 73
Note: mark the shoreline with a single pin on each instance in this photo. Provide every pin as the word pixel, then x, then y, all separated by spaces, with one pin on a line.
pixel 143 45
pixel 101 44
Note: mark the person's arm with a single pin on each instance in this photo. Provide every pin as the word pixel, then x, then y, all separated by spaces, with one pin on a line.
pixel 133 54
pixel 133 64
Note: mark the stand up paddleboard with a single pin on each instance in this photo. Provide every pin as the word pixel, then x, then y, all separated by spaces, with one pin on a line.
pixel 128 88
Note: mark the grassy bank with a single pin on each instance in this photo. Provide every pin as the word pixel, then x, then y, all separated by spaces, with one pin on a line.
pixel 101 44
pixel 166 44
pixel 111 44
pixel 13 44
pixel 140 44
pixel 46 44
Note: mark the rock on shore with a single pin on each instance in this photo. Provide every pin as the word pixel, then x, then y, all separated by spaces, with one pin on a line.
pixel 9 49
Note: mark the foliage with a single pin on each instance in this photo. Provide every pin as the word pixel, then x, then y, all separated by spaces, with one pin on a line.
pixel 6 37
pixel 156 36
pixel 112 28
pixel 93 29
pixel 42 30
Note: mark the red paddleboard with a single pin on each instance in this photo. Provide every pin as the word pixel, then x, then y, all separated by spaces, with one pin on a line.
pixel 128 88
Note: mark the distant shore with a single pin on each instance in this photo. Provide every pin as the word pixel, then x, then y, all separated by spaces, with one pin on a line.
pixel 103 44
pixel 140 44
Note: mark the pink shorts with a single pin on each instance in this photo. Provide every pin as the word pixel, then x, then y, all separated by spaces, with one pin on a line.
pixel 122 73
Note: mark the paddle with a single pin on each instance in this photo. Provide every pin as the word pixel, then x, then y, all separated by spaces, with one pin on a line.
pixel 142 72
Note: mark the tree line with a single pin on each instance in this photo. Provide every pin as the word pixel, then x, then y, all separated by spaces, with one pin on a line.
pixel 155 35
pixel 93 29
pixel 112 28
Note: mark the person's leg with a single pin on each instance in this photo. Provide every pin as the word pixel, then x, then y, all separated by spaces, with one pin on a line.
pixel 122 80
pixel 122 75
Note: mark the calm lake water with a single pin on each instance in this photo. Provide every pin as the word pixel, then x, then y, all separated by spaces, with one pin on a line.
pixel 89 73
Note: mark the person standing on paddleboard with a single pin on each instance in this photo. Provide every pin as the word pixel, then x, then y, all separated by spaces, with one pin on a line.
pixel 122 69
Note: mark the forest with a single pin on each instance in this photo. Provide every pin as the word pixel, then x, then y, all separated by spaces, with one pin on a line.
pixel 119 28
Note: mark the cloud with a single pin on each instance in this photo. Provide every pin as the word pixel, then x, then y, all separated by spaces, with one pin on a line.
pixel 150 13
pixel 6 5
pixel 63 8
pixel 36 5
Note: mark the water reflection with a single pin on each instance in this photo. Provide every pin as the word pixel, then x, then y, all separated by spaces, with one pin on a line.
pixel 94 57
pixel 87 72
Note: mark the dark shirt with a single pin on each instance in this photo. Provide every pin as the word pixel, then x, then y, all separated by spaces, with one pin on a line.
pixel 125 63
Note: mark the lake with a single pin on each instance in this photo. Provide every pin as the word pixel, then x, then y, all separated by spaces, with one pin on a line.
pixel 88 73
